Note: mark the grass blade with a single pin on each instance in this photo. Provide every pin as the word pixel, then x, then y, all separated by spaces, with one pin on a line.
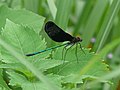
pixel 93 20
pixel 63 12
pixel 52 8
pixel 107 24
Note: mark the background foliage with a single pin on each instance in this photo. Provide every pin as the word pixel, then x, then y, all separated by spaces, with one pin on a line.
pixel 97 22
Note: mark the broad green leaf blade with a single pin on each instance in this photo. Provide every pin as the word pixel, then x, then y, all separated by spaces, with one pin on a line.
pixel 24 40
pixel 30 66
pixel 3 85
pixel 15 51
pixel 18 67
pixel 72 67
pixel 42 65
pixel 23 17
pixel 17 79
pixel 102 53
pixel 113 74
pixel 72 79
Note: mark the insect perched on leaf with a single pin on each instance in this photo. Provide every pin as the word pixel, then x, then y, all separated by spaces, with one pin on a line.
pixel 58 35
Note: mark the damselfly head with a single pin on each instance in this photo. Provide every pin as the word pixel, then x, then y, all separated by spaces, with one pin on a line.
pixel 76 39
pixel 79 39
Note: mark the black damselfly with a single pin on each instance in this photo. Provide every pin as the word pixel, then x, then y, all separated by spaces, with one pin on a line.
pixel 58 35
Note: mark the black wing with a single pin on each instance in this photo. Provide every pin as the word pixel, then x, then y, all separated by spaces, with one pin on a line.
pixel 56 33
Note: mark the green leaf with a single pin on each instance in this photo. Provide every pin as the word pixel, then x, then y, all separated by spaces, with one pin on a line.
pixel 23 17
pixel 42 65
pixel 20 38
pixel 92 61
pixel 12 35
pixel 19 80
pixel 72 68
pixel 18 67
pixel 71 78
pixel 24 40
pixel 4 42
pixel 3 85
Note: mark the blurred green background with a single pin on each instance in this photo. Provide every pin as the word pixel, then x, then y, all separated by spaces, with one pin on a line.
pixel 97 22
